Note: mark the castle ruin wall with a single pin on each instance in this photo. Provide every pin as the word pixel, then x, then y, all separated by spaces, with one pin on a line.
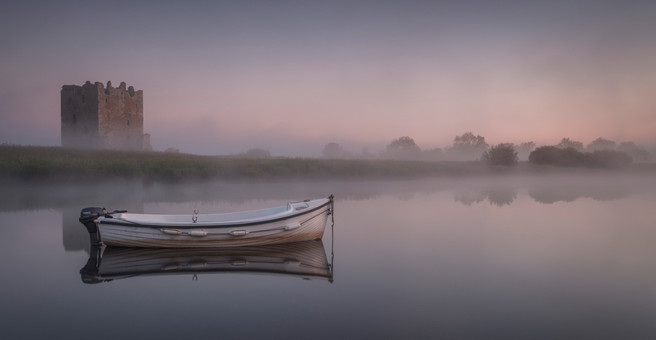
pixel 99 117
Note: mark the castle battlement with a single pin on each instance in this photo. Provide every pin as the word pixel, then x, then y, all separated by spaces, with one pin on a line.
pixel 102 117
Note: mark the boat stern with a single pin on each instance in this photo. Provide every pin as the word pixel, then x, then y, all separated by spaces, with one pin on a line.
pixel 88 217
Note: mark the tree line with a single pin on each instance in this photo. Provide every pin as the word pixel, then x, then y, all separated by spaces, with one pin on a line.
pixel 472 147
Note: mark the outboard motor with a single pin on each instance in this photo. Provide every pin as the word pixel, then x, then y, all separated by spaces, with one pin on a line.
pixel 87 217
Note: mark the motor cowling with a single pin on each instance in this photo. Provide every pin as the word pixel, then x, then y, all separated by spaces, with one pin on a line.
pixel 88 217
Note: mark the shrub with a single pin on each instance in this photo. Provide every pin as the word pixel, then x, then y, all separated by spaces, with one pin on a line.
pixel 636 152
pixel 607 159
pixel 551 155
pixel 502 154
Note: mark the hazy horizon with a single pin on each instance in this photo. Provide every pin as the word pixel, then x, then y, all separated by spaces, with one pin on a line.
pixel 292 76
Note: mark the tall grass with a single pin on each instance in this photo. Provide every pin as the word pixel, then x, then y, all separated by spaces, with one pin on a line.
pixel 63 164
pixel 34 162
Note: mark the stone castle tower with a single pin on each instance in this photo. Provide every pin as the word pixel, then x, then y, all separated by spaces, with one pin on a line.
pixel 96 117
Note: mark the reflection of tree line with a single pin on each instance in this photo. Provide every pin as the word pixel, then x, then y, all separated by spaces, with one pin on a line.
pixel 134 195
pixel 496 196
pixel 552 194
pixel 70 198
pixel 547 194
pixel 120 195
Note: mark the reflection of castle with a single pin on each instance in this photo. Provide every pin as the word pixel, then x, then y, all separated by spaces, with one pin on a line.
pixel 96 117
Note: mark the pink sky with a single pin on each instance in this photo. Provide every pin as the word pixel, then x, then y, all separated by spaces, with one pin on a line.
pixel 291 77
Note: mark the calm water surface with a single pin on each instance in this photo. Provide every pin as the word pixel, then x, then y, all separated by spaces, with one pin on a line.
pixel 553 258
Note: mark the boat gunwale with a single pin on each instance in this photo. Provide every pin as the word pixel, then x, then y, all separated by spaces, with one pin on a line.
pixel 123 222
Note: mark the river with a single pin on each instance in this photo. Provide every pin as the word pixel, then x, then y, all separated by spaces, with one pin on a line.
pixel 530 257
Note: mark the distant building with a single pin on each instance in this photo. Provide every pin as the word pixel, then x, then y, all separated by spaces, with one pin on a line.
pixel 96 117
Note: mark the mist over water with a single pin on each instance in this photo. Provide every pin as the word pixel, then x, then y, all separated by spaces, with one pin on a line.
pixel 114 194
pixel 491 257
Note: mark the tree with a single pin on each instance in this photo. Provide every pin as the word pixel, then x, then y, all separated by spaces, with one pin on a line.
pixel 403 148
pixel 468 142
pixel 601 144
pixel 468 146
pixel 524 149
pixel 568 143
pixel 334 150
pixel 501 154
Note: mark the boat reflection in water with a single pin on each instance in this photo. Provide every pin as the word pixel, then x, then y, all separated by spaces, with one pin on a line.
pixel 305 259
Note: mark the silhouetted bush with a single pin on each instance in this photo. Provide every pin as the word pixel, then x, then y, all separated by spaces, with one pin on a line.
pixel 502 154
pixel 606 159
pixel 570 157
pixel 552 155
pixel 636 152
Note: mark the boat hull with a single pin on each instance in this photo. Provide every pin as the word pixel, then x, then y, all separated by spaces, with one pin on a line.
pixel 303 226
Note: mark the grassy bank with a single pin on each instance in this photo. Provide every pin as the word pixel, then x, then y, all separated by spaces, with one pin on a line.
pixel 61 164
pixel 55 163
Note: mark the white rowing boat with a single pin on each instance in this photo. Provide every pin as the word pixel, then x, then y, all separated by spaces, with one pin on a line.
pixel 293 222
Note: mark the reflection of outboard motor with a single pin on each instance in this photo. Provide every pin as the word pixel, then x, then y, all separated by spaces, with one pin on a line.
pixel 87 217
pixel 89 272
